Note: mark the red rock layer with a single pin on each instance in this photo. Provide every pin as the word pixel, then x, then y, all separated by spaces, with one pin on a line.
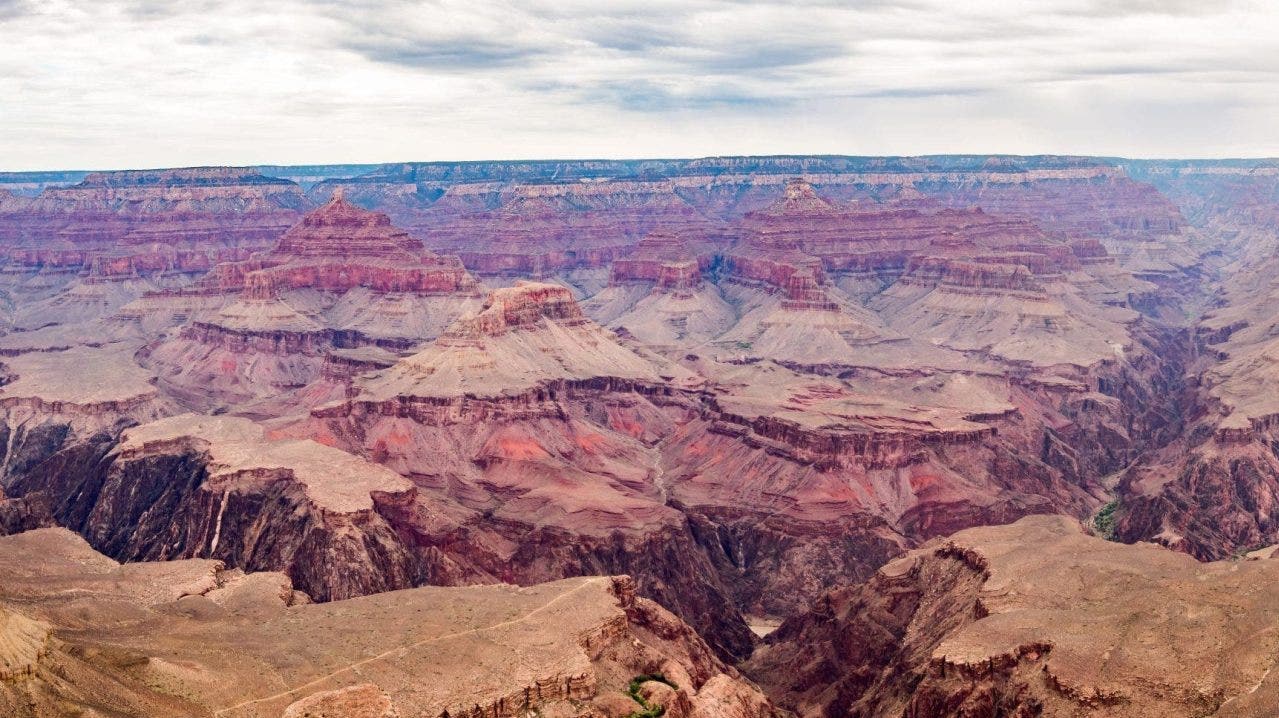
pixel 973 275
pixel 535 219
pixel 339 247
pixel 198 208
pixel 520 307
pixel 792 245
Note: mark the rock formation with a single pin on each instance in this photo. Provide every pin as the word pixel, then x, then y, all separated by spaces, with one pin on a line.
pixel 741 381
pixel 343 277
pixel 658 294
pixel 1034 618
pixel 182 638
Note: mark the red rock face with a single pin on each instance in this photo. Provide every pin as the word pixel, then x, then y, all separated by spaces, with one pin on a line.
pixel 663 257
pixel 205 208
pixel 518 308
pixel 997 274
pixel 782 372
pixel 339 247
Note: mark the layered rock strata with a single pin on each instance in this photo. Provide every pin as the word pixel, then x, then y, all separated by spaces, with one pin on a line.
pixel 341 278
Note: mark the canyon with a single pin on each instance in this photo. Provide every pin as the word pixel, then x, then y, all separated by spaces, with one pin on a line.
pixel 881 401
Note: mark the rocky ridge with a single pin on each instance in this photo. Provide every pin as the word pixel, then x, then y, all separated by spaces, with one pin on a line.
pixel 183 638
pixel 1034 618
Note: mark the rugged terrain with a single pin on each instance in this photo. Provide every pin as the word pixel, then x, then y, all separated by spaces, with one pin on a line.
pixel 1034 618
pixel 83 635
pixel 743 382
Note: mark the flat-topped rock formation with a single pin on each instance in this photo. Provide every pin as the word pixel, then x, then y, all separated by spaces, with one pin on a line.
pixel 658 293
pixel 222 206
pixel 1036 618
pixel 335 481
pixel 53 400
pixel 186 638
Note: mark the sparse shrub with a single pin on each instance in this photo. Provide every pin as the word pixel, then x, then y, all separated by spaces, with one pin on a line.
pixel 1103 523
pixel 633 690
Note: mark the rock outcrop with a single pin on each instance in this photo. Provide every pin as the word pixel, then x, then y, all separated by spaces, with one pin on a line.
pixel 1034 618
pixel 183 638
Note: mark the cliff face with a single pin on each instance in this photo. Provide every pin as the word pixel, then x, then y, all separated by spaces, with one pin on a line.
pixel 18 515
pixel 742 381
pixel 166 639
pixel 1034 618
pixel 193 207
pixel 1212 491
pixel 188 486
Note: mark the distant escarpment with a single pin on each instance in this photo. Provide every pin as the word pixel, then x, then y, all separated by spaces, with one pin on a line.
pixel 217 206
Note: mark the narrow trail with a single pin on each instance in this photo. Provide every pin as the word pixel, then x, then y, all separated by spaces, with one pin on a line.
pixel 400 649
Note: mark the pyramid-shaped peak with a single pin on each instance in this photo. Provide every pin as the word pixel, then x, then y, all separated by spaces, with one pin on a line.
pixel 341 229
pixel 338 212
pixel 799 197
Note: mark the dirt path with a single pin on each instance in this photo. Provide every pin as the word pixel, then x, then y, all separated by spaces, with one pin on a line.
pixel 398 650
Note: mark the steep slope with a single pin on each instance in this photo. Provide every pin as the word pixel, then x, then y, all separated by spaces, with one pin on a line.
pixel 1034 618
pixel 188 638
pixel 535 426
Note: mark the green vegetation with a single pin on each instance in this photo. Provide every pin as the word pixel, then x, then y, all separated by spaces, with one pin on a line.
pixel 1103 524
pixel 633 689
pixel 1243 551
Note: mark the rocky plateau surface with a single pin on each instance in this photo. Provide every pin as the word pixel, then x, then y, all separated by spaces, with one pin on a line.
pixel 81 634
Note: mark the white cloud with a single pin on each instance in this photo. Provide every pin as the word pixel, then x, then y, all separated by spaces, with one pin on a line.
pixel 127 83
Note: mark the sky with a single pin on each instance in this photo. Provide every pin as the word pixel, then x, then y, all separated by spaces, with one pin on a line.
pixel 142 83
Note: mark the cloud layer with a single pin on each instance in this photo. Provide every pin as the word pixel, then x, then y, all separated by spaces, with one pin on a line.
pixel 128 83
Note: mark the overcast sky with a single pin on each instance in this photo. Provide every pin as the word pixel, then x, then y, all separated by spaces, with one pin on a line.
pixel 145 83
